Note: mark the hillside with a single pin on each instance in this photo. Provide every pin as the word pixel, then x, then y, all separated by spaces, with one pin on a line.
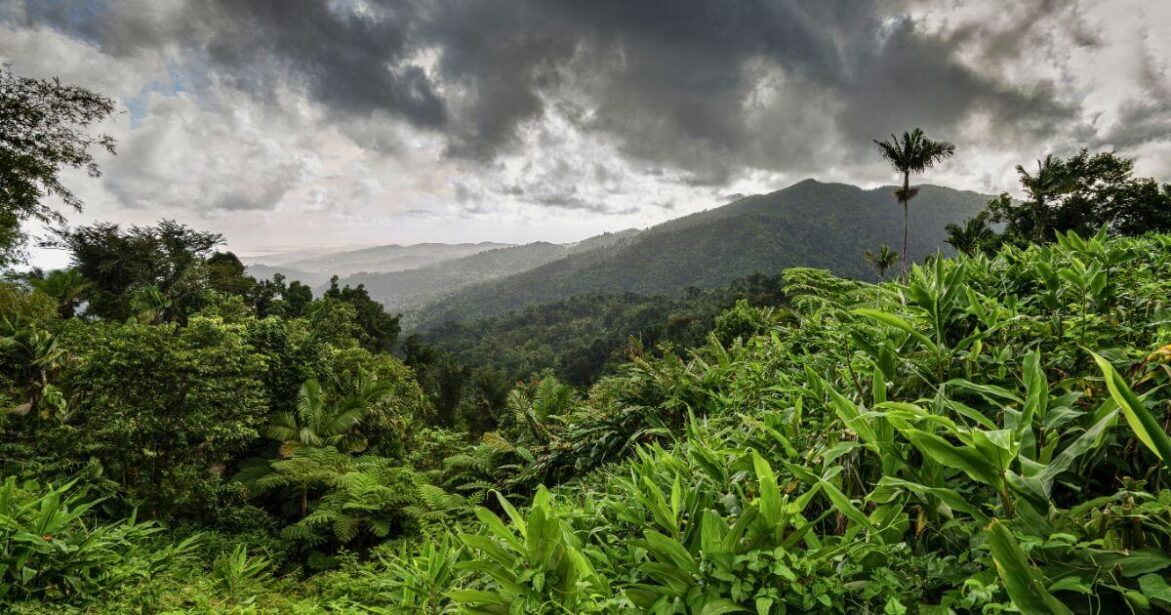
pixel 578 338
pixel 809 224
pixel 406 290
pixel 266 272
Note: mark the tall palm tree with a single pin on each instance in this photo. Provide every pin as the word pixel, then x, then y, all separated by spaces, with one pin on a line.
pixel 884 259
pixel 912 153
pixel 970 237
pixel 66 286
pixel 1051 179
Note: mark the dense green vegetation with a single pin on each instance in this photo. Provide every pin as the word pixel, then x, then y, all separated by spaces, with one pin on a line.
pixel 412 289
pixel 987 433
pixel 581 337
pixel 807 224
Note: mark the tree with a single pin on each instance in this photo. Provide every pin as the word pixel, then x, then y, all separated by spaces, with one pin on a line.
pixel 163 408
pixel 226 274
pixel 42 130
pixel 29 355
pixel 884 259
pixel 319 423
pixel 1050 180
pixel 912 153
pixel 970 237
pixel 1104 192
pixel 66 286
pixel 379 329
pixel 1082 194
pixel 119 262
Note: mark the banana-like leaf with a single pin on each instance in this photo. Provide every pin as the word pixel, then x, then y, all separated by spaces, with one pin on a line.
pixel 719 606
pixel 771 504
pixel 891 320
pixel 839 499
pixel 1145 426
pixel 1024 582
pixel 965 458
pixel 951 498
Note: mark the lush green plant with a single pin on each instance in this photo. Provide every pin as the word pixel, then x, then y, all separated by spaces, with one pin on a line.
pixel 50 547
pixel 237 572
pixel 536 565
pixel 987 434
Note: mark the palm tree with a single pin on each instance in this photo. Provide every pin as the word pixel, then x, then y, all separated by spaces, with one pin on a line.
pixel 150 305
pixel 970 237
pixel 912 153
pixel 66 286
pixel 34 356
pixel 534 407
pixel 1050 180
pixel 884 259
pixel 318 424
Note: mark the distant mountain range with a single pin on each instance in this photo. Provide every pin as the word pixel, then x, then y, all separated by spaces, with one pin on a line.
pixel 811 224
pixel 403 291
pixel 378 259
pixel 317 269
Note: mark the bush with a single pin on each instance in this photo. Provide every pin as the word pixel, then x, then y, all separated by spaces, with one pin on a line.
pixel 50 549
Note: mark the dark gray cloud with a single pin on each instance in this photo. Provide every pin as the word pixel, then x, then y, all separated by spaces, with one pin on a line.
pixel 583 107
pixel 707 86
pixel 354 58
pixel 355 61
pixel 678 81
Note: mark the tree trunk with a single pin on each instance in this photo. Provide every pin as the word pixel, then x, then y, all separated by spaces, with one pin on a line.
pixel 1038 221
pixel 906 199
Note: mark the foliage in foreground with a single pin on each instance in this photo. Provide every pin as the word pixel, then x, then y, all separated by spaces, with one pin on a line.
pixel 989 435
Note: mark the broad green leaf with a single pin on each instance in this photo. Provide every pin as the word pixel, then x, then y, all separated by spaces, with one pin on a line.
pixel 964 458
pixel 1145 426
pixel 1155 588
pixel 892 320
pixel 771 504
pixel 669 549
pixel 1023 582
pixel 477 597
pixel 719 606
pixel 852 417
pixel 497 527
pixel 949 497
pixel 517 520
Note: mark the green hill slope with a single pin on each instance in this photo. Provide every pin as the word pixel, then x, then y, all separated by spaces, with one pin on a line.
pixel 810 224
pixel 413 288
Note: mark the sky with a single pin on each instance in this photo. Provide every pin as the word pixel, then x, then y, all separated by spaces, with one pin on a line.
pixel 311 124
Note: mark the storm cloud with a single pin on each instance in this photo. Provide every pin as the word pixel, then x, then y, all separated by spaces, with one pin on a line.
pixel 569 105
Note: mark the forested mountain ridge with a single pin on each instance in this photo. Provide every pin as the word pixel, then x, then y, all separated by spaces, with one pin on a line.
pixel 412 288
pixel 809 224
pixel 578 338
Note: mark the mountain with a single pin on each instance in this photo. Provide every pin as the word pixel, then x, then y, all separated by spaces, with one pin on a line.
pixel 265 272
pixel 579 337
pixel 402 291
pixel 810 224
pixel 381 259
